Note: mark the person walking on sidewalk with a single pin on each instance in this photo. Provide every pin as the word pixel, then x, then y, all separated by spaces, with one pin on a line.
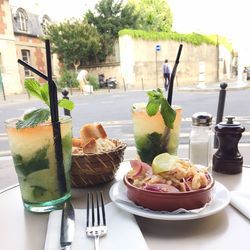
pixel 166 70
pixel 82 79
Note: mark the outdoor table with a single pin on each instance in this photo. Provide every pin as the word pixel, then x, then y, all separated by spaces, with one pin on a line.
pixel 227 229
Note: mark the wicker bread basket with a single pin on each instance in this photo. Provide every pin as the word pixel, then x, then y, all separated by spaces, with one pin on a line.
pixel 91 169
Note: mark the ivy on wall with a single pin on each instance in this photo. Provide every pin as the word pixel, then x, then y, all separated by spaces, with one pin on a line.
pixel 193 38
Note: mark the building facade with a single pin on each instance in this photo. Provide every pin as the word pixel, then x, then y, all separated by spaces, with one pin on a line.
pixel 135 63
pixel 20 38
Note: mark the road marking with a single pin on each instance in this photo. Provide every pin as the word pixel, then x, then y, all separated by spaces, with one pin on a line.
pixel 107 102
pixel 117 96
pixel 117 122
pixel 243 145
pixel 5 153
pixel 4 158
pixel 114 126
pixel 3 138
pixel 129 137
pixel 81 104
pixel 184 119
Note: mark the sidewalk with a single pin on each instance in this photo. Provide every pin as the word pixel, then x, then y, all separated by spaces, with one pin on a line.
pixel 19 98
pixel 199 87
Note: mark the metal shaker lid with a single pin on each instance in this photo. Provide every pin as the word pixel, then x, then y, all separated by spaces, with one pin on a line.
pixel 230 122
pixel 202 119
pixel 229 127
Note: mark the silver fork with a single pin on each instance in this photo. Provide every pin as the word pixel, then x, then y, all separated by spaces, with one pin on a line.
pixel 96 229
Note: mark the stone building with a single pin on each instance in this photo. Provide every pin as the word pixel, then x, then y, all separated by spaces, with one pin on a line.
pixel 135 62
pixel 20 38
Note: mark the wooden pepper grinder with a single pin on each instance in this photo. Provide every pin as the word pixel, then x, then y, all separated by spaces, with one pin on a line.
pixel 227 159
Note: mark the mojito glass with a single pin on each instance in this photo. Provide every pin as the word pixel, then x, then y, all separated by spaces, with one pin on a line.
pixel 152 136
pixel 35 163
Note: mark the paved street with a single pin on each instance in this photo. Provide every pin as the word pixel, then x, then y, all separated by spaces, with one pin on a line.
pixel 113 110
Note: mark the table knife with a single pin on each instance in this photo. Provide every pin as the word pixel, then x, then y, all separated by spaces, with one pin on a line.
pixel 67 226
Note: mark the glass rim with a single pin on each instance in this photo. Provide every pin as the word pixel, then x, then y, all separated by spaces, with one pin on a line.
pixel 144 104
pixel 11 123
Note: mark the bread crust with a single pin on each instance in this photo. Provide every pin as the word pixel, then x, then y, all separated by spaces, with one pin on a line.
pixel 89 131
pixel 90 147
pixel 93 140
pixel 77 142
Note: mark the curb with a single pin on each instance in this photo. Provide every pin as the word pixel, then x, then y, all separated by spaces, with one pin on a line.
pixel 22 98
pixel 214 87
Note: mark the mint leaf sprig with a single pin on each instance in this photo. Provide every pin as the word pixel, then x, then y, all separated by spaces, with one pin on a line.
pixel 40 115
pixel 33 118
pixel 157 101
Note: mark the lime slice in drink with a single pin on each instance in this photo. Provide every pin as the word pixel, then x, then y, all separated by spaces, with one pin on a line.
pixel 164 162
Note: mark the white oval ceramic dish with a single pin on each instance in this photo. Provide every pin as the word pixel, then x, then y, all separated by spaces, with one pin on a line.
pixel 221 198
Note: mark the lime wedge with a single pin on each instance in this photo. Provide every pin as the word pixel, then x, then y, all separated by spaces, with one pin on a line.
pixel 164 162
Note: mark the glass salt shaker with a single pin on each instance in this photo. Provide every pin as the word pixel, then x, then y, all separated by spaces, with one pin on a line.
pixel 200 142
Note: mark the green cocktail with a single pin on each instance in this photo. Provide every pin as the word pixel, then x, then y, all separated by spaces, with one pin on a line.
pixel 33 153
pixel 152 136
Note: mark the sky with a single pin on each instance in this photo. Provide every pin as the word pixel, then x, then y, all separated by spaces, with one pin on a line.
pixel 223 17
pixel 57 9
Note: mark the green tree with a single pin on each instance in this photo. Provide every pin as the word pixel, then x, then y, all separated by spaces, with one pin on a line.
pixel 109 18
pixel 67 79
pixel 73 41
pixel 154 15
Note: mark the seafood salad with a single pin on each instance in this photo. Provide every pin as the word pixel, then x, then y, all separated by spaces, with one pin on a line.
pixel 174 175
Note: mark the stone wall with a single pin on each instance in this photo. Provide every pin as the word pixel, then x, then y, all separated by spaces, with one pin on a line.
pixel 109 70
pixel 141 64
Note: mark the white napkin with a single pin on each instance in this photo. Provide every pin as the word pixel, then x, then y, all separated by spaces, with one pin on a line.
pixel 241 201
pixel 123 231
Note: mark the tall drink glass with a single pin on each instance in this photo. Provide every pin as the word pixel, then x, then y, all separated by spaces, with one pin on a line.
pixel 152 136
pixel 35 163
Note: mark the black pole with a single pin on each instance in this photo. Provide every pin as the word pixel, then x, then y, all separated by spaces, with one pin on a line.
pixel 220 109
pixel 3 91
pixel 156 71
pixel 124 84
pixel 4 96
pixel 142 84
pixel 65 94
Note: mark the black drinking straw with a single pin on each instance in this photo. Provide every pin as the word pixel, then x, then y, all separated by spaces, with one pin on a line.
pixel 37 72
pixel 54 116
pixel 55 122
pixel 171 84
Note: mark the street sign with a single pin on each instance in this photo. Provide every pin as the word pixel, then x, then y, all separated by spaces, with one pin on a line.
pixel 158 47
